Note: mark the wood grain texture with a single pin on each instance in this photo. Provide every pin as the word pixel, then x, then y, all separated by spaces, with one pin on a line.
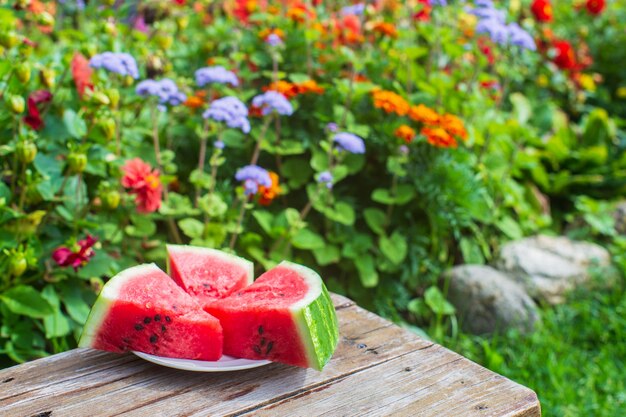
pixel 378 369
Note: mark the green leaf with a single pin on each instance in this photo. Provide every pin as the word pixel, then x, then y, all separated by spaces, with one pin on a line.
pixel 375 219
pixel 306 239
pixel 74 303
pixel 471 251
pixel 55 324
pixel 200 179
pixel 213 205
pixel 437 303
pixel 326 255
pixel 521 107
pixel 74 124
pixel 25 300
pixel 341 213
pixel 367 271
pixel 142 226
pixel 98 266
pixel 510 228
pixel 394 248
pixel 404 193
pixel 296 171
pixel 192 228
pixel 265 220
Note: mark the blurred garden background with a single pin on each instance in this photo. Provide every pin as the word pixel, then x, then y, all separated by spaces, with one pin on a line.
pixel 457 167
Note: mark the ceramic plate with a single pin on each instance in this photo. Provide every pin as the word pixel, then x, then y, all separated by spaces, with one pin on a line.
pixel 225 364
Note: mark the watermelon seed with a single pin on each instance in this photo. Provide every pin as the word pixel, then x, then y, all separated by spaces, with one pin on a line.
pixel 260 329
pixel 147 320
pixel 270 345
pixel 262 341
pixel 138 327
pixel 162 328
pixel 281 294
pixel 157 317
pixel 153 338
pixel 256 349
pixel 168 319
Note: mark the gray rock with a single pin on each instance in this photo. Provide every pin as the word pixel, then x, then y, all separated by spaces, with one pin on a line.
pixel 487 300
pixel 549 267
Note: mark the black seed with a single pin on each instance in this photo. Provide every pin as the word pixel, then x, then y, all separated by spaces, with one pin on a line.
pixel 207 286
pixel 162 328
pixel 361 345
pixel 262 341
pixel 256 349
pixel 147 320
pixel 125 340
pixel 43 414
pixel 174 308
pixel 270 345
pixel 260 329
pixel 154 338
pixel 138 327
pixel 168 319
pixel 8 380
pixel 281 294
pixel 157 317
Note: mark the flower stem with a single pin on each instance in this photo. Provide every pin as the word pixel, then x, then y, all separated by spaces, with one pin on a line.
pixel 242 212
pixel 201 157
pixel 257 148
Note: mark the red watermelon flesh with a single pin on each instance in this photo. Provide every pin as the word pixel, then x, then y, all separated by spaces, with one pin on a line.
pixel 208 274
pixel 142 309
pixel 285 316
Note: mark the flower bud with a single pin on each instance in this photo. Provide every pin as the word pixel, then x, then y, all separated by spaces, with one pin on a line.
pixel 26 151
pixel 182 22
pixel 110 28
pixel 17 104
pixel 76 162
pixel 101 98
pixel 9 39
pixel 22 72
pixel 108 127
pixel 164 41
pixel 45 19
pixel 111 199
pixel 47 77
pixel 114 97
pixel 17 264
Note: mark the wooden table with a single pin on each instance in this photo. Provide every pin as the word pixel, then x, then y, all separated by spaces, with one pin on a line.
pixel 378 369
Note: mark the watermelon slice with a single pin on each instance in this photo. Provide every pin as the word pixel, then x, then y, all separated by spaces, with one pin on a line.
pixel 208 274
pixel 142 309
pixel 285 316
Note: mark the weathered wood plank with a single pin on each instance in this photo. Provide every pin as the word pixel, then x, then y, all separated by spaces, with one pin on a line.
pixel 378 369
pixel 430 382
pixel 67 388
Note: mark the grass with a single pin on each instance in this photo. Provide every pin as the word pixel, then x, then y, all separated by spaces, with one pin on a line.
pixel 574 361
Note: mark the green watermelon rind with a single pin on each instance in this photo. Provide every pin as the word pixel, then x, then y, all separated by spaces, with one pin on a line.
pixel 315 318
pixel 106 299
pixel 249 266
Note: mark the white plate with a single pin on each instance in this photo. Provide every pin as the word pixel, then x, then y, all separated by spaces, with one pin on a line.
pixel 225 364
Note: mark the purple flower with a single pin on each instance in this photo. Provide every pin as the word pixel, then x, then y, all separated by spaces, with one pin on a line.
pixel 231 111
pixel 273 40
pixel 219 144
pixel 496 30
pixel 519 37
pixel 438 2
pixel 349 142
pixel 404 150
pixel 355 9
pixel 332 127
pixel 253 176
pixel 271 101
pixel 166 90
pixel 119 63
pixel 215 75
pixel 325 178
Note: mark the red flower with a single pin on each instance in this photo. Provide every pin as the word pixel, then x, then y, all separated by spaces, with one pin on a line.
pixel 33 118
pixel 423 15
pixel 542 9
pixel 595 7
pixel 78 257
pixel 565 58
pixel 81 72
pixel 144 183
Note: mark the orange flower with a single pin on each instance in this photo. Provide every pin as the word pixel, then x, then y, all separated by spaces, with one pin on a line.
pixel 390 102
pixel 267 194
pixel 423 114
pixel 193 102
pixel 405 133
pixel 439 137
pixel 275 31
pixel 385 28
pixel 453 125
pixel 309 86
pixel 285 88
